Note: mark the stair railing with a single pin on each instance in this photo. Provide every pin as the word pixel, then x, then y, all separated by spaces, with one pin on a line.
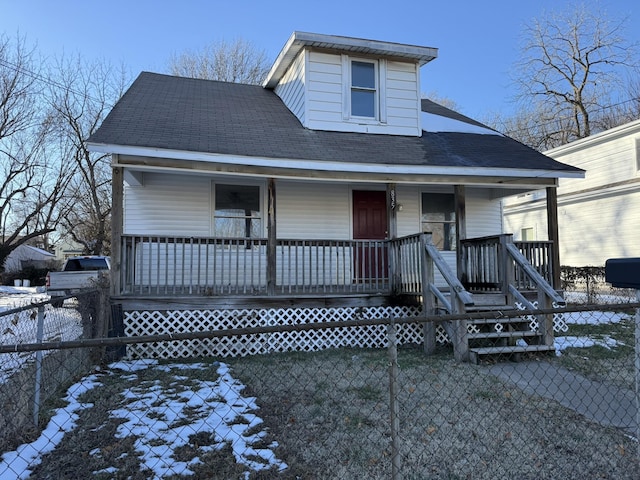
pixel 547 296
pixel 459 299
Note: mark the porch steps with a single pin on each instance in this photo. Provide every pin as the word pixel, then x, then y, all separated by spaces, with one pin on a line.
pixel 496 336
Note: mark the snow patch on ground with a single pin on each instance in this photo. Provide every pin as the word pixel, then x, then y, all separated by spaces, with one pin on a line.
pixel 18 463
pixel 163 420
pixel 562 343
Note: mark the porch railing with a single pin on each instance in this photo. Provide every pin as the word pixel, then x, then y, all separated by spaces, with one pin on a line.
pixel 162 265
pixel 167 265
pixel 485 260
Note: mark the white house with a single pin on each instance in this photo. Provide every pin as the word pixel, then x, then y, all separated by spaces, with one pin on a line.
pixel 306 198
pixel 598 217
pixel 25 256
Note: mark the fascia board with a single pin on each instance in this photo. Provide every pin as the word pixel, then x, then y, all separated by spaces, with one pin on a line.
pixel 321 165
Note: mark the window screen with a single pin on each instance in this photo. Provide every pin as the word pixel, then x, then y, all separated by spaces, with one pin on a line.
pixel 439 219
pixel 237 211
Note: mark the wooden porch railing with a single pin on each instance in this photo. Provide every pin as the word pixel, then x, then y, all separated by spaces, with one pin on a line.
pixel 160 265
pixel 484 263
pixel 165 265
pixel 497 264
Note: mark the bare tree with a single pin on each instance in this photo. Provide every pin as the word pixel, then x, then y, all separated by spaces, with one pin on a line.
pixel 573 68
pixel 536 126
pixel 239 61
pixel 81 94
pixel 33 183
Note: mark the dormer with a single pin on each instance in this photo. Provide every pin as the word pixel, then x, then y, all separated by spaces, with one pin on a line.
pixel 350 84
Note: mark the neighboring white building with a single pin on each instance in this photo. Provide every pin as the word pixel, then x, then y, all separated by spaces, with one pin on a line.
pixel 26 255
pixel 598 216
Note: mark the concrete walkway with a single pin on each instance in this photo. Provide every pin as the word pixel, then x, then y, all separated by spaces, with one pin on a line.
pixel 606 404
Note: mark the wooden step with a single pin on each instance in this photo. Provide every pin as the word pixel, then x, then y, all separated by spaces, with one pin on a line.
pixel 516 334
pixel 489 299
pixel 487 308
pixel 503 320
pixel 476 352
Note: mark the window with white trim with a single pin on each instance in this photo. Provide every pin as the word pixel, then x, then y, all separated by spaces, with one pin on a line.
pixel 237 211
pixel 527 234
pixel 364 89
pixel 439 219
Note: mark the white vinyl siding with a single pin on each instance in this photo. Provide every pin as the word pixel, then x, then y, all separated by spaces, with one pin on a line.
pixel 594 230
pixel 402 94
pixel 168 205
pixel 530 215
pixel 604 164
pixel 324 88
pixel 291 88
pixel 309 210
pixel 182 205
pixel 484 214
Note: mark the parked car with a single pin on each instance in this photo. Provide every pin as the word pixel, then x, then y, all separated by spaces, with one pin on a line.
pixel 77 273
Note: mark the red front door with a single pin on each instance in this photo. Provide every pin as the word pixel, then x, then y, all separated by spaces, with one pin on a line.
pixel 370 224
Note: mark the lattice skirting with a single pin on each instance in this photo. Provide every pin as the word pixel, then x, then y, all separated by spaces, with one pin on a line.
pixel 153 322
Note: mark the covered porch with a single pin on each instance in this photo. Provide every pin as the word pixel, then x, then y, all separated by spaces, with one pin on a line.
pixel 216 274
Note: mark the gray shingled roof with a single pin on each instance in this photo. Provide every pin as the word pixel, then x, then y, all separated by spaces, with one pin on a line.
pixel 184 114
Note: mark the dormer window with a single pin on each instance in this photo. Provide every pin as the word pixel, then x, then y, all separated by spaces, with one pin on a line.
pixel 364 85
pixel 364 89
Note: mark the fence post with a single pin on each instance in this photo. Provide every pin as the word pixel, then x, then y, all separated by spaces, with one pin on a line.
pixel 427 276
pixel 38 379
pixel 101 319
pixel 393 401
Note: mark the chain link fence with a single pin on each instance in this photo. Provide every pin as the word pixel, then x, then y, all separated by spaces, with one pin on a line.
pixel 337 413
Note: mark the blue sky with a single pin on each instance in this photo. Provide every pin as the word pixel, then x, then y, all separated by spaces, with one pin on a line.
pixel 478 42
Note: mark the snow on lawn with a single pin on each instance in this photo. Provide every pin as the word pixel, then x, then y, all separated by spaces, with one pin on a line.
pixel 17 464
pixel 11 297
pixel 584 342
pixel 60 324
pixel 157 417
pixel 588 318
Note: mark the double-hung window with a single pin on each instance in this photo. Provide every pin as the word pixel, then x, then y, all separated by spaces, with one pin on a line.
pixel 237 211
pixel 439 219
pixel 364 89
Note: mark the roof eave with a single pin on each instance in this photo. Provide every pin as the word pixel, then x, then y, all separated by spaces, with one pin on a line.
pixel 316 166
pixel 299 40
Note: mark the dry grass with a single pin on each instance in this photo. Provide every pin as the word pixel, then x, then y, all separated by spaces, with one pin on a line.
pixel 615 364
pixel 329 413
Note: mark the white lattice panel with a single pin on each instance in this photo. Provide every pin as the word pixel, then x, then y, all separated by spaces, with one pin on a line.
pixel 559 322
pixel 138 323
